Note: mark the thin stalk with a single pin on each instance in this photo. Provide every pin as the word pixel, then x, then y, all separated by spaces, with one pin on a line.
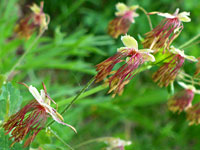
pixel 85 94
pixel 149 19
pixel 75 98
pixel 25 53
pixel 60 139
pixel 190 41
pixel 92 141
pixel 163 59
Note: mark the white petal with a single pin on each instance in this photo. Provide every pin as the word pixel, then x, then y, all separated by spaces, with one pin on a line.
pixel 166 15
pixel 42 93
pixel 191 58
pixel 184 16
pixel 177 51
pixel 35 94
pixel 57 117
pixel 148 57
pixel 129 42
pixel 183 85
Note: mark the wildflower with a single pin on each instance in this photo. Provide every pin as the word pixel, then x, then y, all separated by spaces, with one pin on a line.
pixel 131 57
pixel 37 18
pixel 164 34
pixel 24 28
pixel 182 100
pixel 168 71
pixel 193 114
pixel 32 117
pixel 116 143
pixel 125 16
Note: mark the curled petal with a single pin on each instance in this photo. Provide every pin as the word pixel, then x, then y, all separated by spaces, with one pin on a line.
pixel 184 16
pixel 57 117
pixel 191 58
pixel 129 42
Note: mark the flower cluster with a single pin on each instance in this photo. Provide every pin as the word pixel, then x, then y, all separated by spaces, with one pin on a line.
pixel 36 19
pixel 125 17
pixel 32 117
pixel 182 101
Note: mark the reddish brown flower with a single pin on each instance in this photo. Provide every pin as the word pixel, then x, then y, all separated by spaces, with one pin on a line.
pixel 181 101
pixel 131 58
pixel 125 17
pixel 163 34
pixel 193 114
pixel 37 18
pixel 32 117
pixel 25 28
pixel 168 71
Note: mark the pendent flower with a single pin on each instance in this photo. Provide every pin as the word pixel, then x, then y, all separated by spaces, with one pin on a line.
pixel 125 17
pixel 193 114
pixel 130 57
pixel 169 28
pixel 168 71
pixel 182 100
pixel 32 117
pixel 37 19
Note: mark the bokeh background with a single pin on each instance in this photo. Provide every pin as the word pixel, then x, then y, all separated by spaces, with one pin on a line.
pixel 65 58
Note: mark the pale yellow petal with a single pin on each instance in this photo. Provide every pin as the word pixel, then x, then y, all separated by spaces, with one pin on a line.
pixel 129 42
pixel 184 17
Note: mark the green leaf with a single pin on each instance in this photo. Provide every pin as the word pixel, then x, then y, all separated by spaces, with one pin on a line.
pixel 10 101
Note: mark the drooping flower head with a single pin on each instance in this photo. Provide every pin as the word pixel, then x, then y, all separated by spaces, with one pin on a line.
pixel 32 117
pixel 182 100
pixel 125 16
pixel 193 114
pixel 168 71
pixel 131 58
pixel 169 28
pixel 37 19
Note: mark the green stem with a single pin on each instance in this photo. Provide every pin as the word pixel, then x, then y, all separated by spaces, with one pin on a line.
pixel 92 141
pixel 190 41
pixel 75 98
pixel 87 93
pixel 149 19
pixel 60 139
pixel 22 57
pixel 163 59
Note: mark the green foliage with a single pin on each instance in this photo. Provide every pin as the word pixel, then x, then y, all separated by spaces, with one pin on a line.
pixel 65 58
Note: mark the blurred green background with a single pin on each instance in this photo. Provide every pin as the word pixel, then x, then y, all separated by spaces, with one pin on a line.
pixel 65 58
